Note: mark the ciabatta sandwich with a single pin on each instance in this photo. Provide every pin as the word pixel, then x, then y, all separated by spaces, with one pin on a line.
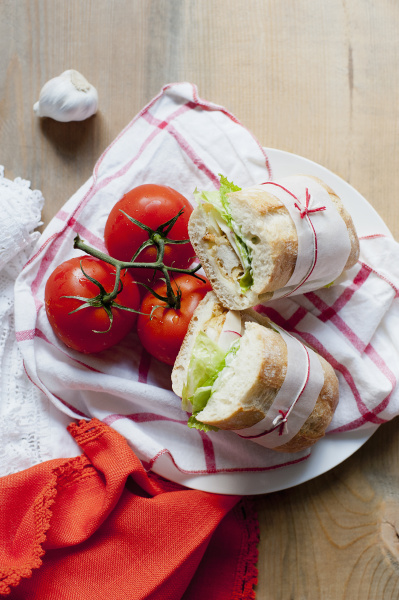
pixel 236 370
pixel 271 240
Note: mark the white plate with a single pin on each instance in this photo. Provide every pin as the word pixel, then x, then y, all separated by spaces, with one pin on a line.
pixel 332 449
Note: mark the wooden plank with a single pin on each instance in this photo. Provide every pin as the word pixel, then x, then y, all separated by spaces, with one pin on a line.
pixel 335 537
pixel 316 79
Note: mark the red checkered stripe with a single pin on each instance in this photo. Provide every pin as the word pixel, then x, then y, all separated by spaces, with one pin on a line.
pixel 332 315
pixel 70 222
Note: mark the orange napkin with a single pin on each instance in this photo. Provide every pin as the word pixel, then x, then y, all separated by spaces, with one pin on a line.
pixel 98 527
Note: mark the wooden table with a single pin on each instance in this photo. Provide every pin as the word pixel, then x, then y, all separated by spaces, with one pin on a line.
pixel 319 79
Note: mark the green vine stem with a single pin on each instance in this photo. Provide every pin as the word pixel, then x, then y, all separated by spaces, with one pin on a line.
pixel 171 298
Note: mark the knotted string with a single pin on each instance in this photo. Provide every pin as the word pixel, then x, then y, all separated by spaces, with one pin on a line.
pixel 305 210
pixel 280 421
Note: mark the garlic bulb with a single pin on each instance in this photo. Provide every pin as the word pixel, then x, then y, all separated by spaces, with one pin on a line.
pixel 68 97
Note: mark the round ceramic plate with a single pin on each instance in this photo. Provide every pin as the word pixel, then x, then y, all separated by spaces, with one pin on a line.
pixel 332 449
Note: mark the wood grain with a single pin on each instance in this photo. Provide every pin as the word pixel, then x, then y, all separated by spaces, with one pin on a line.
pixel 319 79
pixel 336 536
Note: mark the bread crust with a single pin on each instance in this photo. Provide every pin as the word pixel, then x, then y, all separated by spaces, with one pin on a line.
pixel 269 352
pixel 265 220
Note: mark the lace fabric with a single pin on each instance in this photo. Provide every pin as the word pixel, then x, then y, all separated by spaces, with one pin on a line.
pixel 20 215
pixel 26 422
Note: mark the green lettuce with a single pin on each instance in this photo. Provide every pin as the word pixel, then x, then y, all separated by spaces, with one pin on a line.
pixel 227 187
pixel 193 423
pixel 207 362
pixel 207 359
pixel 220 202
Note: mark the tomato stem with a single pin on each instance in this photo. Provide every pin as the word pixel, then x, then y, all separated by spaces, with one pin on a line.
pixel 157 238
pixel 102 299
pixel 107 298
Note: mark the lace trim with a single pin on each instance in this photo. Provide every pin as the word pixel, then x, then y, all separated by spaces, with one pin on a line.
pixel 247 571
pixel 21 211
pixel 85 432
pixel 11 577
pixel 24 412
pixel 76 469
pixel 62 476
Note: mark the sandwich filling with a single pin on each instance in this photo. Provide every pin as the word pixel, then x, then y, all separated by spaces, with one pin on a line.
pixel 210 362
pixel 223 222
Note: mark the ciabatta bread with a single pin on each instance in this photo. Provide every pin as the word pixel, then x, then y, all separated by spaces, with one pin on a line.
pixel 257 372
pixel 271 237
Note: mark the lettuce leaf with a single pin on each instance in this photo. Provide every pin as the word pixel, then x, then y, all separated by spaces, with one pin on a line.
pixel 247 280
pixel 227 187
pixel 193 423
pixel 206 364
pixel 207 359
pixel 220 202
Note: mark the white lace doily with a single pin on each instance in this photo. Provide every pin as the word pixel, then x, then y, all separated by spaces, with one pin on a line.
pixel 30 428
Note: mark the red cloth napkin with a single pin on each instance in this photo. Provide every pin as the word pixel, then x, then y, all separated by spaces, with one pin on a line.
pixel 98 526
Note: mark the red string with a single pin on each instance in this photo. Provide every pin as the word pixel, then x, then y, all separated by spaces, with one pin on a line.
pixel 304 211
pixel 283 422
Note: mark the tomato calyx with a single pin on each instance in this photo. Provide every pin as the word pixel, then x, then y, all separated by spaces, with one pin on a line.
pixel 159 238
pixel 156 237
pixel 177 295
pixel 103 300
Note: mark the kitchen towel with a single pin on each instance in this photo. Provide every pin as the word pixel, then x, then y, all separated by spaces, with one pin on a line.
pixel 183 141
pixel 97 526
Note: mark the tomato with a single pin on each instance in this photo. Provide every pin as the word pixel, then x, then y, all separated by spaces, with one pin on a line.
pixel 152 205
pixel 79 330
pixel 163 333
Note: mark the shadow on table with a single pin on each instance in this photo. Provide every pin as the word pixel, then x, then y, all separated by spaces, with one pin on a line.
pixel 75 137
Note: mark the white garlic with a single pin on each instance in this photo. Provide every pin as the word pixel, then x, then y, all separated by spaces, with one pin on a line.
pixel 68 97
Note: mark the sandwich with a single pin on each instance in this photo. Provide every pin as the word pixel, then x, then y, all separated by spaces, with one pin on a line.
pixel 238 371
pixel 271 240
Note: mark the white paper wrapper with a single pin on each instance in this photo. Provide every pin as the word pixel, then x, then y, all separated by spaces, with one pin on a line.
pixel 323 239
pixel 294 401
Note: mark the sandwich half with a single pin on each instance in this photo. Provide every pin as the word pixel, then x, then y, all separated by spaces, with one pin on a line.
pixel 249 243
pixel 230 373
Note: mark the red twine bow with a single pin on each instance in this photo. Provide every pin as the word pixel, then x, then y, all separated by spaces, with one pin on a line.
pixel 305 210
pixel 280 421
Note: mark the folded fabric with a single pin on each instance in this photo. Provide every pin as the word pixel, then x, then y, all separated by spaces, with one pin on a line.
pixel 183 141
pixel 31 428
pixel 98 526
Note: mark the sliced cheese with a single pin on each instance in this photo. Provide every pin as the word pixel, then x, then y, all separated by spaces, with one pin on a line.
pixel 231 330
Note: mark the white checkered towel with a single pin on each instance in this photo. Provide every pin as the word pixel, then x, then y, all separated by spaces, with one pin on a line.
pixel 182 141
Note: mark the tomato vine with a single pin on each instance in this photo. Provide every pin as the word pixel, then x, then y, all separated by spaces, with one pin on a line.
pixel 157 237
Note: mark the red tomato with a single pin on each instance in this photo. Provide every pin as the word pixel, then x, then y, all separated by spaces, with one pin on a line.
pixel 163 333
pixel 79 330
pixel 152 205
